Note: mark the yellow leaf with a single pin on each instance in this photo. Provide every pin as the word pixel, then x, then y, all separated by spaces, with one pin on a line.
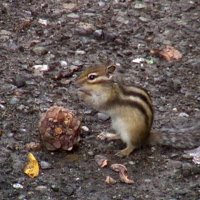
pixel 32 166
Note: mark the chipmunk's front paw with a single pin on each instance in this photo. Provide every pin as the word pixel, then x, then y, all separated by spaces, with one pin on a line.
pixel 108 136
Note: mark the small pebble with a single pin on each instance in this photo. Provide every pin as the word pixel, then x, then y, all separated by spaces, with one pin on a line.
pixel 69 190
pixel 14 100
pixel 147 180
pixel 85 128
pixel 5 32
pixel 41 188
pixel 10 135
pixel 186 156
pixel 73 15
pixel 77 63
pixel 23 130
pixel 73 68
pixel 98 33
pixel 69 6
pixel 21 107
pixel 102 116
pixel 43 22
pixel 101 3
pixel 19 81
pixel 90 153
pixel 139 6
pixel 131 162
pixel 18 186
pixel 55 188
pixel 122 20
pixel 45 165
pixel 88 112
pixel 63 63
pixel 186 166
pixel 153 149
pixel 39 69
pixel 38 50
pixel 143 19
pixel 80 52
pixel 175 109
pixel 183 114
pixel 173 155
pixel 2 107
pixel 21 197
pixel 161 108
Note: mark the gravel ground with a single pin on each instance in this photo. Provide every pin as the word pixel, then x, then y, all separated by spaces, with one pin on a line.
pixel 64 37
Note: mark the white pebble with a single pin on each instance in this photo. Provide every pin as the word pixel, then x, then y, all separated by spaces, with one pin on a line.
pixel 183 114
pixel 41 188
pixel 102 116
pixel 2 107
pixel 80 52
pixel 101 3
pixel 85 128
pixel 131 162
pixel 45 165
pixel 42 68
pixel 63 63
pixel 18 186
pixel 147 180
pixel 118 64
pixel 43 21
pixel 138 60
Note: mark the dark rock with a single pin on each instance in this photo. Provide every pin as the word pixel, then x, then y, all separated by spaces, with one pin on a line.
pixel 19 81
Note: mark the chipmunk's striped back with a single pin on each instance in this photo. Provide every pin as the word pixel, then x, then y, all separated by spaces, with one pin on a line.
pixel 141 100
pixel 135 98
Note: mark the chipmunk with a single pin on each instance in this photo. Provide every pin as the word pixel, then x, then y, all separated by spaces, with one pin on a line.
pixel 129 107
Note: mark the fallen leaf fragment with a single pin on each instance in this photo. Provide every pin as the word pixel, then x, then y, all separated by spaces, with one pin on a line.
pixel 109 180
pixel 32 166
pixel 101 160
pixel 124 178
pixel 118 168
pixel 168 53
pixel 123 174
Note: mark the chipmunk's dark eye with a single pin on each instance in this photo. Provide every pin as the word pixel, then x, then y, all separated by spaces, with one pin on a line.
pixel 92 76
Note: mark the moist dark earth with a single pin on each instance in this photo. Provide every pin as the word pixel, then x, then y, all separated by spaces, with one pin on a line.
pixel 67 37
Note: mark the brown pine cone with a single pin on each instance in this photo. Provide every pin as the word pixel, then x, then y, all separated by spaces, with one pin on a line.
pixel 59 129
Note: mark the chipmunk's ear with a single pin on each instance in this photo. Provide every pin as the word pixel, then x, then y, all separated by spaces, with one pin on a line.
pixel 110 69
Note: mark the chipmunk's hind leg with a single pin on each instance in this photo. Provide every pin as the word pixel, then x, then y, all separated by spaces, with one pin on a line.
pixel 127 151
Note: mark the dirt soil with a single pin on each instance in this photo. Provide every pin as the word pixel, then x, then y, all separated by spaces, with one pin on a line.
pixel 67 36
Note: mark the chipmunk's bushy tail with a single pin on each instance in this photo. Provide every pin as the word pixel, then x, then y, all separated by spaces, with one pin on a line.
pixel 177 138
